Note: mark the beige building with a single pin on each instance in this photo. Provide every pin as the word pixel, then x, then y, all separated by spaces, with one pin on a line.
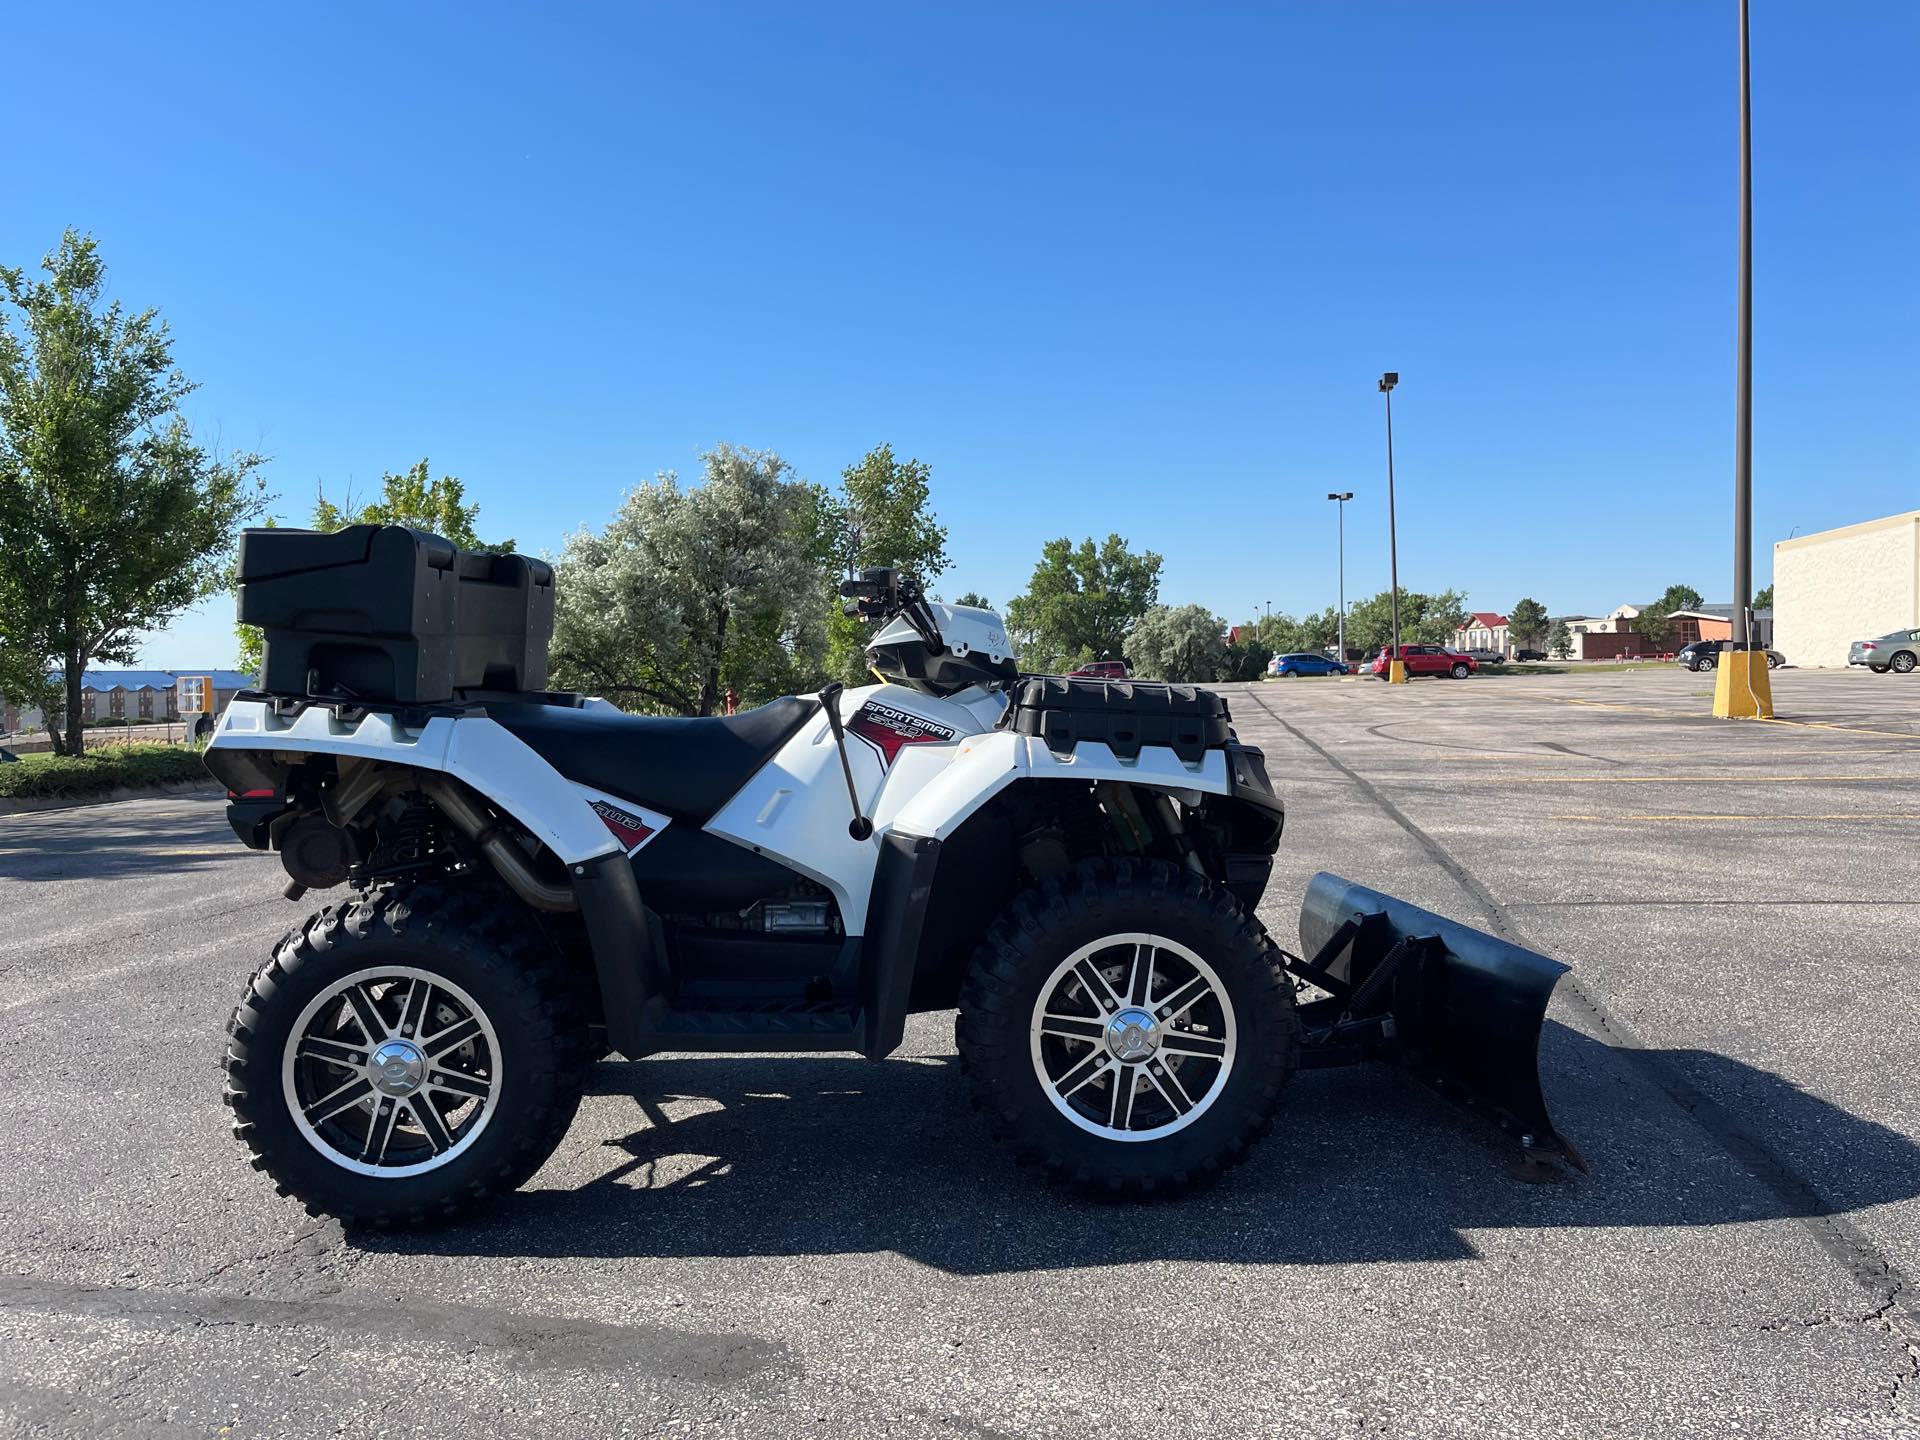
pixel 1843 585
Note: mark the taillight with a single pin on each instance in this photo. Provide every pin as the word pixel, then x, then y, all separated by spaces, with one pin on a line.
pixel 252 794
pixel 1868 645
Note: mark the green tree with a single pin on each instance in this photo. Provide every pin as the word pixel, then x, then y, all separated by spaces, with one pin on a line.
pixel 691 592
pixel 1763 599
pixel 411 497
pixel 1247 655
pixel 1560 641
pixel 1186 644
pixel 1528 624
pixel 113 518
pixel 1282 634
pixel 1652 621
pixel 1082 602
pixel 883 515
pixel 1424 619
pixel 975 599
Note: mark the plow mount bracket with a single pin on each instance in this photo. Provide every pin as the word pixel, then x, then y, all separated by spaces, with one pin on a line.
pixel 1458 1008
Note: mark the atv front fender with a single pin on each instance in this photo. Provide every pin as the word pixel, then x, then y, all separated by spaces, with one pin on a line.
pixel 988 764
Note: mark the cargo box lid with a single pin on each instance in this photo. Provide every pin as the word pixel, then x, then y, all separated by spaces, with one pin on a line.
pixel 268 553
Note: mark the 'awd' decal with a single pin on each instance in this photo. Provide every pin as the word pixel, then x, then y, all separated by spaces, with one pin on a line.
pixel 887 729
pixel 631 830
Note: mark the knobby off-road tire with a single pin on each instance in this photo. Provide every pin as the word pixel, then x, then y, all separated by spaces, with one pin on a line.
pixel 1009 1045
pixel 526 1057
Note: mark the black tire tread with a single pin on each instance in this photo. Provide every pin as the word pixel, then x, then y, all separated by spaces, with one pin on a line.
pixel 492 932
pixel 993 1012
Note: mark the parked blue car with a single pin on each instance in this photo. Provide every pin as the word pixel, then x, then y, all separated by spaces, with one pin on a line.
pixel 1307 663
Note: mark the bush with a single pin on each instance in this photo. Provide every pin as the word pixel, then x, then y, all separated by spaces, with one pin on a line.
pixel 38 777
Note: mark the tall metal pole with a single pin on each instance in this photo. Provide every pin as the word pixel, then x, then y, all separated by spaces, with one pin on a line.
pixel 1341 616
pixel 1743 403
pixel 1387 382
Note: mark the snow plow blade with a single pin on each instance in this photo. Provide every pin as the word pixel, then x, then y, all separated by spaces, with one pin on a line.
pixel 1457 1007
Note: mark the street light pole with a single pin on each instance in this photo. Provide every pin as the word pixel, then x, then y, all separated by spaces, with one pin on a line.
pixel 1397 666
pixel 1743 365
pixel 1741 687
pixel 1341 614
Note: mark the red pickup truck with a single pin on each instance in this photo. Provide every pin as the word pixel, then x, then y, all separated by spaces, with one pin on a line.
pixel 1425 660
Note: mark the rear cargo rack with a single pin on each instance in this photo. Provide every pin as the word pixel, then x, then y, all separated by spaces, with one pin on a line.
pixel 1120 714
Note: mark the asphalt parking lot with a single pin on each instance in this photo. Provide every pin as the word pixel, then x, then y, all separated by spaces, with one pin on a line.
pixel 824 1246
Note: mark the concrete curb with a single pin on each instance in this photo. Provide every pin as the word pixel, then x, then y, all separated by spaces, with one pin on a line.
pixel 34 806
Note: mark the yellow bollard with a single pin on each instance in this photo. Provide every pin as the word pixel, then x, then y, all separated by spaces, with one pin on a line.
pixel 1742 688
pixel 1396 672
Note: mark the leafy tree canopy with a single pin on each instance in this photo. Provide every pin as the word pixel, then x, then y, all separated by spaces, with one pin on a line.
pixel 411 498
pixel 1186 644
pixel 1560 641
pixel 1083 602
pixel 1763 599
pixel 1528 624
pixel 1424 619
pixel 1282 634
pixel 1653 622
pixel 883 515
pixel 694 591
pixel 113 518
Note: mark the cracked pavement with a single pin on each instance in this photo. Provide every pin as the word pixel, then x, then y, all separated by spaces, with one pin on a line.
pixel 777 1245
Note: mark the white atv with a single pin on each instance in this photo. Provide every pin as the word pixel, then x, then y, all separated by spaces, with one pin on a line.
pixel 537 879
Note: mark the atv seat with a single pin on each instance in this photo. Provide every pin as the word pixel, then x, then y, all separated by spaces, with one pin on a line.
pixel 687 767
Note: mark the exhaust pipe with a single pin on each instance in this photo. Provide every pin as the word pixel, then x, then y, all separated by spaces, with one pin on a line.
pixel 1459 1008
pixel 507 858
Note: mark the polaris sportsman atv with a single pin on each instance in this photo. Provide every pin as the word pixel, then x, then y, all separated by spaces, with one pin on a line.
pixel 538 879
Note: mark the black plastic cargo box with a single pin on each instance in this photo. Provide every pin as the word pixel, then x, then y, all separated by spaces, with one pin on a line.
pixel 384 613
pixel 1121 714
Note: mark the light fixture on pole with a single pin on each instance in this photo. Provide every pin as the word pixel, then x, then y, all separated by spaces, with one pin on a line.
pixel 1397 666
pixel 1340 614
pixel 1742 689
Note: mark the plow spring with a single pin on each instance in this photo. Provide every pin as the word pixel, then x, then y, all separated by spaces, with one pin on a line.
pixel 1460 1009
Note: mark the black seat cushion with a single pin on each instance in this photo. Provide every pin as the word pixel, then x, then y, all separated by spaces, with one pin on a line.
pixel 688 768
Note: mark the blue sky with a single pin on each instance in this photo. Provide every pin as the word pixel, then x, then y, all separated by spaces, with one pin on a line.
pixel 1106 267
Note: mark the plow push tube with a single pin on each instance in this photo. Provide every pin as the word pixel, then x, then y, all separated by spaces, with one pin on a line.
pixel 1459 1008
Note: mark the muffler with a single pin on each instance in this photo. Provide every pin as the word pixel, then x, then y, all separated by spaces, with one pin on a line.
pixel 1458 1008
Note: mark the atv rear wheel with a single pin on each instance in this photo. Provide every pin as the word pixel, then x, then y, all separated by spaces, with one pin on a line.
pixel 406 1054
pixel 1127 1028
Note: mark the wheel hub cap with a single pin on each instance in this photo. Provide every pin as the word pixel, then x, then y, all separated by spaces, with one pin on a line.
pixel 397 1067
pixel 1133 1036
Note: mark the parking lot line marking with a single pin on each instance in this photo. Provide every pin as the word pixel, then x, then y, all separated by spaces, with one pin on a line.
pixel 1845 729
pixel 1823 725
pixel 1880 779
pixel 1757 752
pixel 1604 819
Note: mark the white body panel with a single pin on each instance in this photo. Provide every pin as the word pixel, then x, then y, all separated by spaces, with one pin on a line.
pixel 796 809
pixel 987 764
pixel 922 766
pixel 472 748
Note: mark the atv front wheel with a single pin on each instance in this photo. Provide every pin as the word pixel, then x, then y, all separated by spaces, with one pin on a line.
pixel 1127 1028
pixel 406 1054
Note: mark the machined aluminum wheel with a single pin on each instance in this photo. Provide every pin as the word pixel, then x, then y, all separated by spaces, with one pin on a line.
pixel 1133 1037
pixel 392 1071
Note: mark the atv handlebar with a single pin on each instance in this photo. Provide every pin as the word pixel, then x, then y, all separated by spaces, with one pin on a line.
pixel 882 593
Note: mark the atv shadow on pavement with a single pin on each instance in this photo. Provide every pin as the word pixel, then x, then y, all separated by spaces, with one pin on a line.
pixel 798 1156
